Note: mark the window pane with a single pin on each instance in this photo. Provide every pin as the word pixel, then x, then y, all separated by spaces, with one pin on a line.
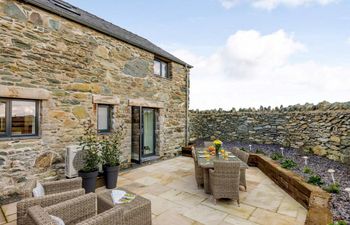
pixel 164 69
pixel 2 118
pixel 102 123
pixel 23 117
pixel 156 67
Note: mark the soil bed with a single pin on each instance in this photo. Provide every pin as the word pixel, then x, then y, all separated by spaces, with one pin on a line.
pixel 340 203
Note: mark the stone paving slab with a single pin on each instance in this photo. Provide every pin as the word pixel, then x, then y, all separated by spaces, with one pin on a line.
pixel 176 200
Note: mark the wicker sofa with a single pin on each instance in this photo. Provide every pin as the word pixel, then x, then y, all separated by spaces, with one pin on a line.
pixel 78 211
pixel 55 192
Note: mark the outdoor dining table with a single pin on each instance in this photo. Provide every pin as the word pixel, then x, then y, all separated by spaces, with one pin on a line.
pixel 207 164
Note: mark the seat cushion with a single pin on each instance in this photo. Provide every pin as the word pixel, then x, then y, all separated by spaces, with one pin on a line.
pixel 39 190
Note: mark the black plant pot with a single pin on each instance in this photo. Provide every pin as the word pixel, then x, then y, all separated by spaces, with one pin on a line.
pixel 111 176
pixel 89 180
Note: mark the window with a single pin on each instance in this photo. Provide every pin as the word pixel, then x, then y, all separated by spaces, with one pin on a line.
pixel 104 119
pixel 161 68
pixel 18 117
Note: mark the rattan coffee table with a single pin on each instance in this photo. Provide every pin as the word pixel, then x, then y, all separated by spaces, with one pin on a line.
pixel 136 212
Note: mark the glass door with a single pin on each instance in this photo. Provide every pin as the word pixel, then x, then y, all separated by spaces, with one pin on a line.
pixel 148 128
pixel 136 139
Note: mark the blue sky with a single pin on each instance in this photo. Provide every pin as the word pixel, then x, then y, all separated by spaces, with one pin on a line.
pixel 315 32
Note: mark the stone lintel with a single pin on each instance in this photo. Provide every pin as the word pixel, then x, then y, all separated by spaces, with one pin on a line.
pixel 145 103
pixel 103 99
pixel 22 92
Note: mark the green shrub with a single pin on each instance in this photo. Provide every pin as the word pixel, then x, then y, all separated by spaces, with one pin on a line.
pixel 258 151
pixel 111 146
pixel 307 170
pixel 244 150
pixel 333 188
pixel 315 180
pixel 276 156
pixel 288 164
pixel 90 148
pixel 340 222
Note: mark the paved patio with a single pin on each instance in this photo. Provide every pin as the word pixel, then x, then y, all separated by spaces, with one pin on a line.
pixel 176 200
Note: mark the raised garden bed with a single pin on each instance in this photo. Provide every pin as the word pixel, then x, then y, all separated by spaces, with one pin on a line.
pixel 311 197
pixel 317 165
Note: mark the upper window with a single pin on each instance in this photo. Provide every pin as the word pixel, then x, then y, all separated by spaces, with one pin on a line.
pixel 104 118
pixel 161 68
pixel 18 117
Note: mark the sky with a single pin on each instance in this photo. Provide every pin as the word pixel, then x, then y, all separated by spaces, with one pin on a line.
pixel 246 53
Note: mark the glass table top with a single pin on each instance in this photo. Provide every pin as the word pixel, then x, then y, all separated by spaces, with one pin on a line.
pixel 206 161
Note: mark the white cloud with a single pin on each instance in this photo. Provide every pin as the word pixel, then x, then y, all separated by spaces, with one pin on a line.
pixel 228 4
pixel 254 69
pixel 271 4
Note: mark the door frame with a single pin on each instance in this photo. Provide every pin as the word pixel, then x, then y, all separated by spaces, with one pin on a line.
pixel 143 133
pixel 141 154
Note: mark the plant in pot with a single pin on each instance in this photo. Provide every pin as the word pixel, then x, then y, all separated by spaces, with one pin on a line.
pixel 111 151
pixel 91 157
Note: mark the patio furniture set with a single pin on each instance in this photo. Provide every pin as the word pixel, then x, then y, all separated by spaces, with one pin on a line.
pixel 221 175
pixel 65 203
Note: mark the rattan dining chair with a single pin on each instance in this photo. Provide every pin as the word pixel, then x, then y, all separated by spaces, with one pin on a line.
pixel 224 180
pixel 198 171
pixel 78 211
pixel 243 156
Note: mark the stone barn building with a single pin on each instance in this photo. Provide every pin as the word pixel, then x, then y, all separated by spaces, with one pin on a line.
pixel 61 66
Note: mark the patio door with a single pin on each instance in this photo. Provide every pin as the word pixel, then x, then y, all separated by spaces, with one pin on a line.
pixel 143 133
pixel 148 132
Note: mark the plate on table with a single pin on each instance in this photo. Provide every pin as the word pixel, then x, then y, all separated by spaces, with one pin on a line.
pixel 201 156
pixel 200 152
pixel 232 156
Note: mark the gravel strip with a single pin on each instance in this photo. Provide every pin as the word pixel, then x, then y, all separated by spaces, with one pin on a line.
pixel 340 203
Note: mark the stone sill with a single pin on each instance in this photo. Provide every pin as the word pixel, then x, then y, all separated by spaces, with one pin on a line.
pixel 311 197
pixel 19 138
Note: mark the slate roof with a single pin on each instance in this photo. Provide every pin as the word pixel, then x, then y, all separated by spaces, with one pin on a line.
pixel 80 16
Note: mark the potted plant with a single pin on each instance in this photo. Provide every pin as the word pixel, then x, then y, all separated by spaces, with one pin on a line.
pixel 91 158
pixel 110 154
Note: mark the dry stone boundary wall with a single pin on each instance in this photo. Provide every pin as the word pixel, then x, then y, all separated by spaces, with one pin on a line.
pixel 323 129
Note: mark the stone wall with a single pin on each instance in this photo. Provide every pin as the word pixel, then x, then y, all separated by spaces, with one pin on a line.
pixel 323 129
pixel 42 52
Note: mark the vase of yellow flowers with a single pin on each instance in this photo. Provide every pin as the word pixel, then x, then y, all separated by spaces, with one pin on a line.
pixel 217 143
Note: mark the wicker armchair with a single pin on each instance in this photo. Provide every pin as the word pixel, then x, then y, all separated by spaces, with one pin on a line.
pixel 55 192
pixel 198 171
pixel 224 180
pixel 80 211
pixel 243 156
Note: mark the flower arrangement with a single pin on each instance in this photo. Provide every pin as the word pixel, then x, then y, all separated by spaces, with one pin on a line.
pixel 211 148
pixel 217 143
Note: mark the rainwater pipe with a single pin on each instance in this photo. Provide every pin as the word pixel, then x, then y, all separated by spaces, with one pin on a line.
pixel 187 102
